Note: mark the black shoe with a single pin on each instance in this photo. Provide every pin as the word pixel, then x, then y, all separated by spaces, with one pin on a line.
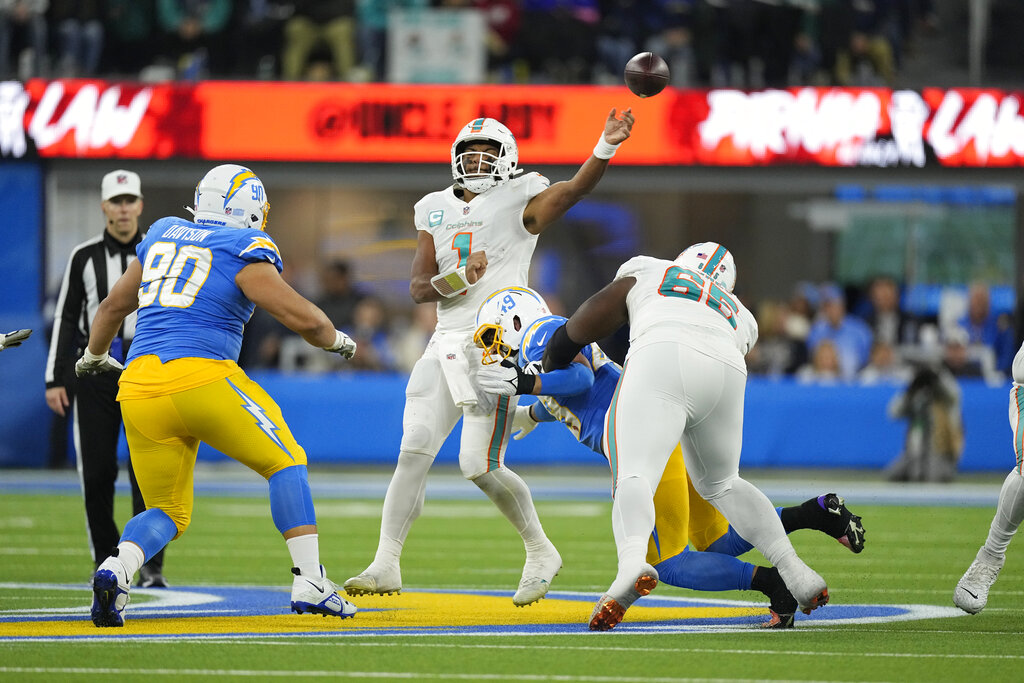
pixel 783 605
pixel 151 578
pixel 839 523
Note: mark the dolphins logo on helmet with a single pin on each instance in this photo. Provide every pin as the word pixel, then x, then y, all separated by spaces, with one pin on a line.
pixel 711 259
pixel 503 319
pixel 233 196
pixel 491 169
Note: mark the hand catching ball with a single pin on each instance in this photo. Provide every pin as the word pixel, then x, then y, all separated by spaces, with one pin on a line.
pixel 646 74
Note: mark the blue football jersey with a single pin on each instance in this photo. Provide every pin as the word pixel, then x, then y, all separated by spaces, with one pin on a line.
pixel 583 413
pixel 189 304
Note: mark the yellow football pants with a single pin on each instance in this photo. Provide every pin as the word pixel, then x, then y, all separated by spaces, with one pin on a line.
pixel 234 415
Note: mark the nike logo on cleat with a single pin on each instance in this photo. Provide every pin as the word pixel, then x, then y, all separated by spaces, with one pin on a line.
pixel 969 593
pixel 314 585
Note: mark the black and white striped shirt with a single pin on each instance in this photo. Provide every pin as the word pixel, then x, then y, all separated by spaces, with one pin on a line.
pixel 92 270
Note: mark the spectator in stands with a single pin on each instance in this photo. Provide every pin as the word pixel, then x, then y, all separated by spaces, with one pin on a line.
pixel 256 37
pixel 327 23
pixel 339 296
pixel 673 40
pixel 885 366
pixel 986 327
pixel 867 59
pixel 194 35
pixel 824 367
pixel 410 343
pixel 22 24
pixel 372 23
pixel 128 28
pixel 571 25
pixel 850 334
pixel 80 33
pixel 776 352
pixel 883 314
pixel 957 357
pixel 371 334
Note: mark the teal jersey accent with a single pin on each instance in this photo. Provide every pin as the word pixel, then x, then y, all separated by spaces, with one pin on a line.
pixel 189 304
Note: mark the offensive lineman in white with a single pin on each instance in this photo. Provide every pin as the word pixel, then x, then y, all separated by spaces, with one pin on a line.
pixel 683 380
pixel 971 593
pixel 485 226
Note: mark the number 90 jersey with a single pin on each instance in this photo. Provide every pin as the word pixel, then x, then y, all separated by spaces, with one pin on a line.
pixel 673 303
pixel 189 304
pixel 493 223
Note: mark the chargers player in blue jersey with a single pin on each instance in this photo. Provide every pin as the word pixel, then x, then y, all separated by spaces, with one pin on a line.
pixel 513 327
pixel 195 285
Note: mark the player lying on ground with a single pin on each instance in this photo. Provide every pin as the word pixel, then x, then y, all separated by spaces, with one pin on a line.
pixel 514 326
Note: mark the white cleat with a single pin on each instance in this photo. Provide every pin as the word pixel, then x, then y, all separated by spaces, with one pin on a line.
pixel 539 571
pixel 805 584
pixel 971 594
pixel 318 595
pixel 612 606
pixel 110 586
pixel 377 579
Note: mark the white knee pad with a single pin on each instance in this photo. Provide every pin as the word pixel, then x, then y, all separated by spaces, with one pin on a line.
pixel 419 438
pixel 472 467
pixel 712 490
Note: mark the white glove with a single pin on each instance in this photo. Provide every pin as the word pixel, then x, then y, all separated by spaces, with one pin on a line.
pixel 522 422
pixel 343 345
pixel 12 339
pixel 505 379
pixel 91 364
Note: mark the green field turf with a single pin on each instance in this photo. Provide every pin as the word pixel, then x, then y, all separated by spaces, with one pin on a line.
pixel 913 555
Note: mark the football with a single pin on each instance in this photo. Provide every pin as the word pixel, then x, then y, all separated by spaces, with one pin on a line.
pixel 646 74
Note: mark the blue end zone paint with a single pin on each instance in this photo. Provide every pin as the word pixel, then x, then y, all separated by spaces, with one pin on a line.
pixel 254 601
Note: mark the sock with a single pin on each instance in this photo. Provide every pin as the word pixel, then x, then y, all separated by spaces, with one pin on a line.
pixel 705 571
pixel 512 496
pixel 632 520
pixel 131 557
pixel 305 552
pixel 1008 517
pixel 806 515
pixel 402 504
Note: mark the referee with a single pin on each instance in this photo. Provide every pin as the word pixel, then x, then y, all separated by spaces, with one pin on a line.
pixel 94 267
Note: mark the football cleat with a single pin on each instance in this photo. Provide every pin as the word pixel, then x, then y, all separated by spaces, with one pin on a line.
pixel 377 579
pixel 110 586
pixel 971 594
pixel 538 573
pixel 783 605
pixel 151 578
pixel 804 583
pixel 837 521
pixel 612 606
pixel 318 595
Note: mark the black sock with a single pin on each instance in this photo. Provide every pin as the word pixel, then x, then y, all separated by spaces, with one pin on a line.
pixel 765 580
pixel 806 515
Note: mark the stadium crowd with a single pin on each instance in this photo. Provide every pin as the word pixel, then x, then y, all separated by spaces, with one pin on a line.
pixel 717 43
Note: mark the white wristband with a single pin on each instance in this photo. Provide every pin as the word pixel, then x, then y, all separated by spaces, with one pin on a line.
pixel 604 149
pixel 91 357
pixel 451 283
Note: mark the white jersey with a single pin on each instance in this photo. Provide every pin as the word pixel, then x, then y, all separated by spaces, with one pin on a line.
pixel 672 303
pixel 1018 366
pixel 492 222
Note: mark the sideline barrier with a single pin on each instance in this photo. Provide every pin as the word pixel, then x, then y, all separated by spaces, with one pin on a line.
pixel 357 418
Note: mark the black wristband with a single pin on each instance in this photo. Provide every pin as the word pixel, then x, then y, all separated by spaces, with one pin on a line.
pixel 525 383
pixel 560 351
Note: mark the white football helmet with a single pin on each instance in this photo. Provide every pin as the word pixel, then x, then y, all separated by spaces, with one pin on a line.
pixel 711 259
pixel 503 319
pixel 494 170
pixel 231 195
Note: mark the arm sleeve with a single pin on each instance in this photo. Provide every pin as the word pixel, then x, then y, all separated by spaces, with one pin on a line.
pixel 570 381
pixel 540 413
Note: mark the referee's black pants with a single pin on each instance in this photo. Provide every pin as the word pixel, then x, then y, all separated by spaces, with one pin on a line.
pixel 97 424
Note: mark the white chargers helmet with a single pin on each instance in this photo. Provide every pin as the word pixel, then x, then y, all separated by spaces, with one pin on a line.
pixel 502 320
pixel 233 196
pixel 711 259
pixel 494 170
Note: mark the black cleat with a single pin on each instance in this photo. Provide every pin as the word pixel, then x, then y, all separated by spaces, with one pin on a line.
pixel 151 578
pixel 783 605
pixel 840 523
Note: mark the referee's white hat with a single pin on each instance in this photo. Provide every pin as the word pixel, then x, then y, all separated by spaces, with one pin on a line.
pixel 121 182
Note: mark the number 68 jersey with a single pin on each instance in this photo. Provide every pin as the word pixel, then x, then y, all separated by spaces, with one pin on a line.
pixel 189 304
pixel 682 305
pixel 493 223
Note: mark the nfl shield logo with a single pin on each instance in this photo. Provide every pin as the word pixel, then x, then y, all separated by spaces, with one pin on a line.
pixel 465 211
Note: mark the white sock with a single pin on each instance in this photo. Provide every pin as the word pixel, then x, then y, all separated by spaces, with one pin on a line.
pixel 754 518
pixel 131 557
pixel 402 504
pixel 305 552
pixel 1009 515
pixel 632 517
pixel 512 496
